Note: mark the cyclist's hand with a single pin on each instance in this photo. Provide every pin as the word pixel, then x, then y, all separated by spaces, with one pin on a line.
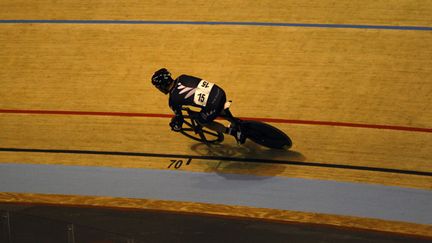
pixel 176 124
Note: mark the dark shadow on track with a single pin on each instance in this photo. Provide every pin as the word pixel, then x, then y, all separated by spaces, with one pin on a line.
pixel 249 150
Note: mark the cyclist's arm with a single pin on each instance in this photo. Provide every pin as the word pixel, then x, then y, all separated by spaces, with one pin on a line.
pixel 177 121
pixel 177 111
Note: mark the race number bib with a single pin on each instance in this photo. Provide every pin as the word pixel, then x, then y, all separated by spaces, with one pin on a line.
pixel 202 92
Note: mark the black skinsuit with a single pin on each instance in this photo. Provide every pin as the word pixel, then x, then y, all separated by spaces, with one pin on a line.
pixel 192 91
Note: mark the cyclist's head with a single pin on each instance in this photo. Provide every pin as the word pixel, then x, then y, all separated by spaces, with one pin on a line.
pixel 162 80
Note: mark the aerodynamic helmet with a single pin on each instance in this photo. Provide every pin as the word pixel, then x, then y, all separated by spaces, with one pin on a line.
pixel 162 80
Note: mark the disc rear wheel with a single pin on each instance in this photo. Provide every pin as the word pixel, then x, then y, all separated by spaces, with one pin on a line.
pixel 266 135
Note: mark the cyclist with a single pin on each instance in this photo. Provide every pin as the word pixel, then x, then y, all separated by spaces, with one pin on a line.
pixel 187 90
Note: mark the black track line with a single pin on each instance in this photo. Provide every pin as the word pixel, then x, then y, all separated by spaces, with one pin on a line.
pixel 247 160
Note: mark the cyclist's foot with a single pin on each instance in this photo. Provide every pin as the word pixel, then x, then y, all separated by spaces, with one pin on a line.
pixel 235 131
pixel 240 137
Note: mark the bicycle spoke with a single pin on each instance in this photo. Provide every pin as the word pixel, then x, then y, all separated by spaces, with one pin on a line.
pixel 188 123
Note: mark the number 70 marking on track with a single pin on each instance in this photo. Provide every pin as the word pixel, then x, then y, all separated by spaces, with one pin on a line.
pixel 177 164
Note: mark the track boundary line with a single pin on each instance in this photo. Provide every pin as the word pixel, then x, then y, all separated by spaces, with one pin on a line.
pixel 213 23
pixel 247 160
pixel 270 120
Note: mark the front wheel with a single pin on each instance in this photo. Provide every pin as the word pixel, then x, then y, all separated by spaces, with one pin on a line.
pixel 266 135
pixel 201 134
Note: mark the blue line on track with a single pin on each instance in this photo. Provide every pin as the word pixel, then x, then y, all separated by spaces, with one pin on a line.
pixel 335 26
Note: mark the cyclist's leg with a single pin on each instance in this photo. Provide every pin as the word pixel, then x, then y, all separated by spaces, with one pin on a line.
pixel 217 108
pixel 235 128
pixel 226 114
pixel 206 118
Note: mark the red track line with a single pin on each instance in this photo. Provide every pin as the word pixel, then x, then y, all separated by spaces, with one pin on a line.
pixel 85 113
pixel 272 120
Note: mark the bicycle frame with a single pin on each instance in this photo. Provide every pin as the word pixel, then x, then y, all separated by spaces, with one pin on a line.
pixel 258 132
pixel 199 130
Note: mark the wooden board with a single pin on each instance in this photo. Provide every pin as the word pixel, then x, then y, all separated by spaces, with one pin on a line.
pixel 312 83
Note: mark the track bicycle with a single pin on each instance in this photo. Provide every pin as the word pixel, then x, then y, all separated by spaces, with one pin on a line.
pixel 256 131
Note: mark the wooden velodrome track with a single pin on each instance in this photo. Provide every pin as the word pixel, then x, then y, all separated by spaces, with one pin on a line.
pixel 356 99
